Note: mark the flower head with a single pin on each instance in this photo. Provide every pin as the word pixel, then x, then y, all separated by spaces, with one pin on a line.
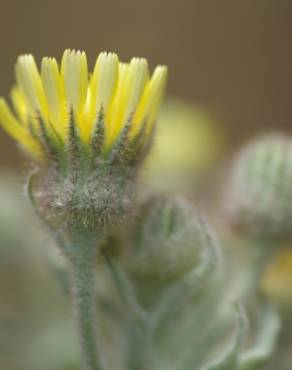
pixel 90 130
pixel 57 103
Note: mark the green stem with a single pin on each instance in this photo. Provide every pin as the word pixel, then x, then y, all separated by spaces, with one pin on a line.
pixel 126 292
pixel 82 252
pixel 138 326
pixel 83 258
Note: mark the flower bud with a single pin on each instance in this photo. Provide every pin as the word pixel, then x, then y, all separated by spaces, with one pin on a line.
pixel 168 240
pixel 260 189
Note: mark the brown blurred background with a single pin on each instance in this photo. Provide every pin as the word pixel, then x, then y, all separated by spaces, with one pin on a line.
pixel 233 57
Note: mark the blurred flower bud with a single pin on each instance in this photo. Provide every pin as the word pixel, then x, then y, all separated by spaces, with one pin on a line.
pixel 168 239
pixel 260 189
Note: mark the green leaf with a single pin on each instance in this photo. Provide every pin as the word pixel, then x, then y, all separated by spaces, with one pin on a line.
pixel 228 360
pixel 269 327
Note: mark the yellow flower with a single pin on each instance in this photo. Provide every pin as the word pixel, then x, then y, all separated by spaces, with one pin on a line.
pixel 188 141
pixel 46 103
pixel 277 282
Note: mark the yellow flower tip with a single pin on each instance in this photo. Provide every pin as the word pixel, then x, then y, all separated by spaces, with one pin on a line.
pixel 104 79
pixel 133 78
pixel 54 91
pixel 29 80
pixel 74 74
pixel 137 77
pixel 11 125
pixel 148 107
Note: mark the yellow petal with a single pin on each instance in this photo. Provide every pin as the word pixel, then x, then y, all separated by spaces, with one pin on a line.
pixel 102 87
pixel 132 82
pixel 104 80
pixel 17 131
pixel 135 84
pixel 19 105
pixel 115 107
pixel 54 91
pixel 74 74
pixel 30 82
pixel 151 100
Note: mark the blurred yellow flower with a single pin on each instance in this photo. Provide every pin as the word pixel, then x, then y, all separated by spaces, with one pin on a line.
pixel 187 141
pixel 45 103
pixel 277 282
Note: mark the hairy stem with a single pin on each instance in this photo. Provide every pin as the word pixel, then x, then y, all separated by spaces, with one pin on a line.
pixel 83 259
pixel 137 322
